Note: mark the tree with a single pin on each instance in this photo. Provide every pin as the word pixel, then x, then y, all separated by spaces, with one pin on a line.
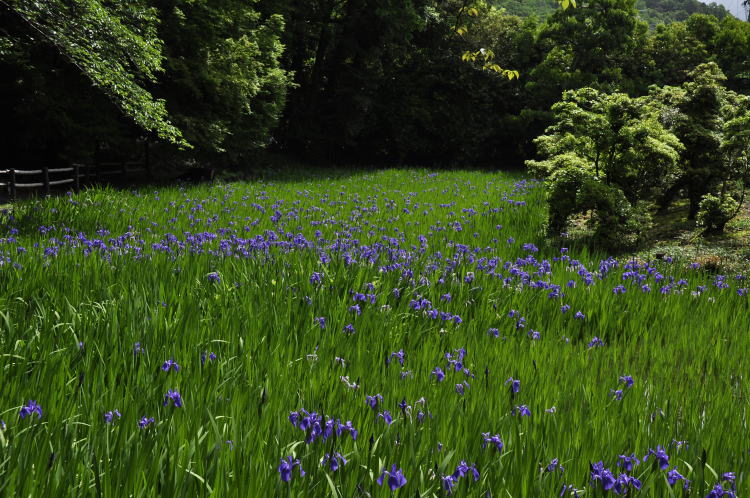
pixel 603 35
pixel 605 153
pixel 696 119
pixel 113 44
pixel 223 84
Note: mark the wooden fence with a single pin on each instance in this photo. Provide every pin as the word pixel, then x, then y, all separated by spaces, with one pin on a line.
pixel 75 175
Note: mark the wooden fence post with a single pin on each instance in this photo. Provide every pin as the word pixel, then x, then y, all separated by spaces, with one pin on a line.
pixel 12 182
pixel 45 174
pixel 76 180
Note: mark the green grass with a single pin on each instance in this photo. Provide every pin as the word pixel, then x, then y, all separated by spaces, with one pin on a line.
pixel 687 353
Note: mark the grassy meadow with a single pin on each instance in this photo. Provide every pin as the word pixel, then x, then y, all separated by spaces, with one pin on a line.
pixel 222 312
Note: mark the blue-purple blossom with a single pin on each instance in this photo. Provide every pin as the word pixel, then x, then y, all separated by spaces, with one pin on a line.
pixel 395 477
pixel 673 476
pixel 627 380
pixel 463 470
pixel 628 462
pixel 438 373
pixel 386 416
pixel 210 356
pixel 170 365
pixel 595 343
pixel 718 491
pixel 662 459
pixel 601 475
pixel 145 422
pixel 400 356
pixel 521 410
pixel 174 397
pixel 372 401
pixel 334 461
pixel 29 409
pixel 493 440
pixel 515 385
pixel 286 466
pixel 554 465
pixel 110 415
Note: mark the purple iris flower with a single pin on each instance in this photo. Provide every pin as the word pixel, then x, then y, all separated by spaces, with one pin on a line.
pixel 175 397
pixel 349 329
pixel 595 343
pixel 400 356
pixel 624 482
pixel 602 475
pixel 334 460
pixel 29 409
pixel 286 467
pixel 373 401
pixel 673 476
pixel 494 440
pixel 448 482
pixel 404 406
pixel 213 277
pixel 554 465
pixel 137 348
pixel 321 321
pixel 719 492
pixel 395 476
pixel 110 415
pixel 661 457
pixel 515 385
pixel 627 380
pixel 462 470
pixel 616 394
pixel 628 462
pixel 145 422
pixel 460 388
pixel 210 356
pixel 579 315
pixel 386 415
pixel 729 477
pixel 522 411
pixel 438 373
pixel 170 364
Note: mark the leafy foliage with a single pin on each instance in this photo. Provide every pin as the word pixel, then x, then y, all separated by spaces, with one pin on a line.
pixel 223 81
pixel 605 153
pixel 113 43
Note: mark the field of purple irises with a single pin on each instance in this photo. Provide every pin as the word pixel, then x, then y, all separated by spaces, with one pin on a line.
pixel 402 332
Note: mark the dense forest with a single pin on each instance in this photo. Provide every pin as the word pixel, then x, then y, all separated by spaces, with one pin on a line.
pixel 430 82
pixel 359 80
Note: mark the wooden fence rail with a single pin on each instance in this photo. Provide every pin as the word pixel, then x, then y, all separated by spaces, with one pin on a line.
pixel 76 175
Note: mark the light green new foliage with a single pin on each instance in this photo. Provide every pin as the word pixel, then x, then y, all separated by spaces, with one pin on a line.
pixel 686 353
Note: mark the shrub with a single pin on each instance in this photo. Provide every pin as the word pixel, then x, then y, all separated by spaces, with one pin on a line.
pixel 714 212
